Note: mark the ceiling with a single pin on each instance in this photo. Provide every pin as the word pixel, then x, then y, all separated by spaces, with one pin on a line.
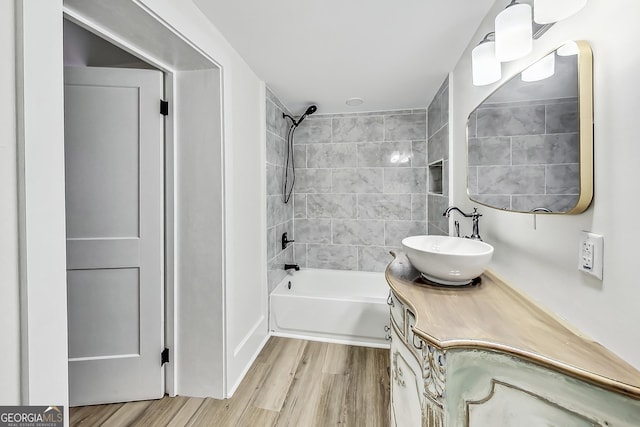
pixel 393 54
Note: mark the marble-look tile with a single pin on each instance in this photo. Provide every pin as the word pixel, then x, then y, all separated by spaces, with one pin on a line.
pixel 358 129
pixel 444 87
pixel 438 145
pixel 419 207
pixel 376 113
pixel 269 94
pixel 275 149
pixel 497 201
pixel 358 232
pixel 299 205
pixel 273 98
pixel 271 117
pixel 385 154
pixel 374 258
pixel 275 268
pixel 445 178
pixel 495 150
pixel 511 179
pixel 528 120
pixel 405 126
pixel 331 155
pixel 395 231
pixel 282 123
pixel 436 206
pixel 285 227
pixel 300 254
pixel 433 230
pixel 272 248
pixel 384 206
pixel 472 180
pixel 360 180
pixel 312 230
pixel 546 149
pixel 313 181
pixel 274 277
pixel 333 257
pixel 562 118
pixel 405 180
pixel 444 101
pixel 418 153
pixel 299 156
pixel 277 211
pixel 435 176
pixel 434 116
pixel 274 179
pixel 563 179
pixel 313 131
pixel 555 203
pixel 331 205
pixel 471 125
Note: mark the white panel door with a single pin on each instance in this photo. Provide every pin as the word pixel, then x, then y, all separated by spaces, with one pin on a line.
pixel 113 155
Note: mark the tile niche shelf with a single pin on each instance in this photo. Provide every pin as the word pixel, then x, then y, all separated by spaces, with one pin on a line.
pixel 435 177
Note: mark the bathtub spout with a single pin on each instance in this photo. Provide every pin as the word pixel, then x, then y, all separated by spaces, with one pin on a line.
pixel 295 267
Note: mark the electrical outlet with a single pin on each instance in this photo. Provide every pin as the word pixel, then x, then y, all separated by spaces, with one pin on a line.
pixel 590 254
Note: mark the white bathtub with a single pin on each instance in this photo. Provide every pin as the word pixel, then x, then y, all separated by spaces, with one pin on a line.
pixel 347 307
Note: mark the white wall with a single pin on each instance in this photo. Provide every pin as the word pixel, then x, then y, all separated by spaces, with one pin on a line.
pixel 543 262
pixel 245 209
pixel 40 144
pixel 43 206
pixel 199 235
pixel 9 290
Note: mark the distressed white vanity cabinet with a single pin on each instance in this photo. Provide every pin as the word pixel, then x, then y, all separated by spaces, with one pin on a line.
pixel 487 356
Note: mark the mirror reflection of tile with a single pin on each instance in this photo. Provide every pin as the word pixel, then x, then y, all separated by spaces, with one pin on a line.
pixel 523 149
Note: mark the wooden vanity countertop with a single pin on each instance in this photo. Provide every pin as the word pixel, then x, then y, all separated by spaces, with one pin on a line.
pixel 494 316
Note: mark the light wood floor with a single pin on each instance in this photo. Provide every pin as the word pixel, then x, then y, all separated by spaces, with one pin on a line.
pixel 292 383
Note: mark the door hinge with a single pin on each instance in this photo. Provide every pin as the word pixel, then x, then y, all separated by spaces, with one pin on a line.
pixel 164 107
pixel 164 356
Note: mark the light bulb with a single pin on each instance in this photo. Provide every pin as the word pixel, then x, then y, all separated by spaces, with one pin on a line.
pixel 486 68
pixel 514 32
pixel 541 70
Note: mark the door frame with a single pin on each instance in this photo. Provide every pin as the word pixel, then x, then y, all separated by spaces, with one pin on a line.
pixel 41 197
pixel 168 237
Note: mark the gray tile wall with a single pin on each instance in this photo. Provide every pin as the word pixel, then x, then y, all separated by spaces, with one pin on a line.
pixel 438 160
pixel 279 214
pixel 525 155
pixel 360 187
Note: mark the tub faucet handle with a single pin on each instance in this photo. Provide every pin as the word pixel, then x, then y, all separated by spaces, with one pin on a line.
pixel 285 241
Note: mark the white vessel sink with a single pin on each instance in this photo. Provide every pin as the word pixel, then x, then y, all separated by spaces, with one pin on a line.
pixel 451 261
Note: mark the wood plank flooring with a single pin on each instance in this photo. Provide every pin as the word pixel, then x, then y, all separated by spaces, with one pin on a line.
pixel 292 383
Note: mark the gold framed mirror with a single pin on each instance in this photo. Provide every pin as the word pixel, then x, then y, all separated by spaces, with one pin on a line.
pixel 530 143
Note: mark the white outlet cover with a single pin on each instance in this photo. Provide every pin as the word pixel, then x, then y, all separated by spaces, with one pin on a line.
pixel 591 240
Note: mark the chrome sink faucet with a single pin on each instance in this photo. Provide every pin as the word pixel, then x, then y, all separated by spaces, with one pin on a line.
pixel 475 217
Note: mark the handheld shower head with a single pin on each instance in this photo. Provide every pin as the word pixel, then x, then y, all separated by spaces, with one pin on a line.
pixel 295 123
pixel 310 110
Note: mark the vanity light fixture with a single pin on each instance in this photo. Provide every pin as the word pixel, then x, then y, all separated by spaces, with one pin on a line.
pixel 548 11
pixel 540 70
pixel 486 68
pixel 514 32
